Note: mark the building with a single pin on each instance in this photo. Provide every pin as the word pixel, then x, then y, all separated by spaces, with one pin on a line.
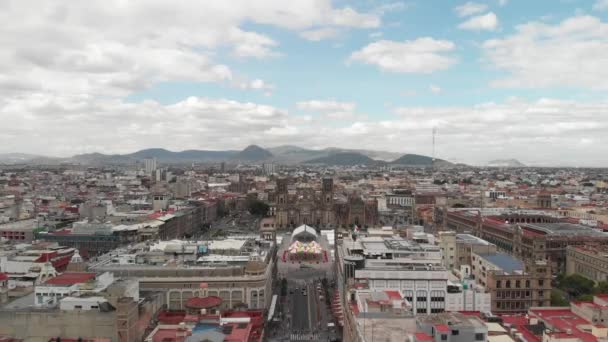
pixel 269 168
pixel 308 207
pixel 588 261
pixel 303 253
pixel 451 327
pixel 456 248
pixel 580 321
pixel 238 269
pixel 513 285
pixel 527 234
pixel 150 165
pixel 20 231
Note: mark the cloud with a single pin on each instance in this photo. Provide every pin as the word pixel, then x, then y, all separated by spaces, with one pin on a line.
pixel 434 89
pixel 502 2
pixel 330 109
pixel 348 17
pixel 470 8
pixel 572 53
pixel 116 48
pixel 600 5
pixel 325 106
pixel 423 55
pixel 486 22
pixel 320 34
pixel 257 84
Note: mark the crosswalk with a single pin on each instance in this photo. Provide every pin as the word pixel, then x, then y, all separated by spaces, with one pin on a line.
pixel 304 337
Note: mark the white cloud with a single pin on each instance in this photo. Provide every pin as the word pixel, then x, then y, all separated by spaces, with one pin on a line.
pixel 423 55
pixel 348 17
pixel 330 109
pixel 573 53
pixel 257 84
pixel 376 35
pixel 435 89
pixel 600 5
pixel 326 106
pixel 503 2
pixel 320 34
pixel 486 22
pixel 391 7
pixel 470 8
pixel 116 47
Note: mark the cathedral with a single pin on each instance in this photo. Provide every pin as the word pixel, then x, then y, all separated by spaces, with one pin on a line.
pixel 320 209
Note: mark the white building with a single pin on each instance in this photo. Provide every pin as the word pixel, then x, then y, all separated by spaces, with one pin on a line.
pixel 150 165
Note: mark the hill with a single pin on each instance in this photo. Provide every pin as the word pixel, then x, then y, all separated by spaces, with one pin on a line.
pixel 416 160
pixel 253 153
pixel 506 163
pixel 344 159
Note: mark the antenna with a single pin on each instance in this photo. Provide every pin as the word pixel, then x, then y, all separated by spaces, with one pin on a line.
pixel 434 134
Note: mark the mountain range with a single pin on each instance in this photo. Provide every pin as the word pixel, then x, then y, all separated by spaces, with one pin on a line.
pixel 506 163
pixel 286 154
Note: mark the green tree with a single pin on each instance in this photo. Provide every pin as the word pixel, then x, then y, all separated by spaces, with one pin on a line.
pixel 576 285
pixel 601 288
pixel 257 207
pixel 558 298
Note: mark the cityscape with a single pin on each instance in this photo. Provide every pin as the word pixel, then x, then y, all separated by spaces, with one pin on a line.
pixel 327 170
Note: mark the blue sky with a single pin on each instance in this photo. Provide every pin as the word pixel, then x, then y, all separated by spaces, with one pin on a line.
pixel 494 77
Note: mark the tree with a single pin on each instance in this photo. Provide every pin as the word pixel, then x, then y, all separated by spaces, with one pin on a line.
pixel 558 298
pixel 257 207
pixel 601 287
pixel 576 285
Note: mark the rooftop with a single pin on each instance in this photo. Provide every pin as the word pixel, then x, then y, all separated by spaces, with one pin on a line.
pixel 564 229
pixel 503 261
pixel 70 278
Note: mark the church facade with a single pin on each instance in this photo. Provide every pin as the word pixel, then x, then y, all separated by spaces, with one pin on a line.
pixel 319 208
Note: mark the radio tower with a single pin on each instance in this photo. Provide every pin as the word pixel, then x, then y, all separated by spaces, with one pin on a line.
pixel 434 133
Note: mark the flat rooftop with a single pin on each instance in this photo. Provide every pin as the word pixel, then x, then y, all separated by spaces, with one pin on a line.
pixel 471 239
pixel 504 261
pixel 564 229
pixel 29 224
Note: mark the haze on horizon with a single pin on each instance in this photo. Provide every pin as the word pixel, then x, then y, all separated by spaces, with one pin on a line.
pixel 499 79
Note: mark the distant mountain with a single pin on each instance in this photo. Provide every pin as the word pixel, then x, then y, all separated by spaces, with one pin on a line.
pixel 253 153
pixel 286 154
pixel 17 158
pixel 417 160
pixel 505 163
pixel 295 154
pixel 344 159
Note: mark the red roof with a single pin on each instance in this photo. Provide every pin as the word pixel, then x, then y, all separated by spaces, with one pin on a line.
pixel 203 302
pixel 71 278
pixel 3 277
pixel 443 328
pixel 420 336
pixel 393 295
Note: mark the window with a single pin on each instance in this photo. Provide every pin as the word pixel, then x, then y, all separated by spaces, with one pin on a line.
pixel 508 284
pixel 527 283
pixel 77 306
pixel 498 284
pixel 517 284
pixel 480 337
pixel 455 332
pixel 541 282
pixel 444 337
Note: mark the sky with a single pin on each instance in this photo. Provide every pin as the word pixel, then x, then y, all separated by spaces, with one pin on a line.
pixel 497 79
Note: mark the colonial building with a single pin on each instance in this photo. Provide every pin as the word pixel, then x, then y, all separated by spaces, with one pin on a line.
pixel 318 208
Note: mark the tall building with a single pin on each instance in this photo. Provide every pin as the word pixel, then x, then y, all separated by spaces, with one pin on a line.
pixel 269 169
pixel 150 165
